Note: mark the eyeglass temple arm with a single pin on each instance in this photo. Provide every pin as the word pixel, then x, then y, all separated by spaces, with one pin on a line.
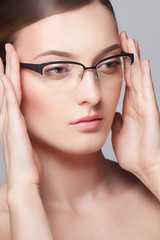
pixel 130 55
pixel 34 67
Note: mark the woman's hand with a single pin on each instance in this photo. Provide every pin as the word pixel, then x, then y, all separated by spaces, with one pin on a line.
pixel 21 162
pixel 28 219
pixel 136 134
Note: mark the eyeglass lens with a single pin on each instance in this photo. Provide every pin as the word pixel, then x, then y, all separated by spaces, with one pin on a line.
pixel 67 76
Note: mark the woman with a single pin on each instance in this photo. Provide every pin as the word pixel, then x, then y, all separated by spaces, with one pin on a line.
pixel 56 113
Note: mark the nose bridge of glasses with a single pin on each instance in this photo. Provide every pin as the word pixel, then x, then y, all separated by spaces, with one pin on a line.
pixel 89 68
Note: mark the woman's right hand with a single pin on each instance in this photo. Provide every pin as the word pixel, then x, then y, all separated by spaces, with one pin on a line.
pixel 28 219
pixel 21 161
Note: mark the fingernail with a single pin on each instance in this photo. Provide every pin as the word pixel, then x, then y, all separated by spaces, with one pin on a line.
pixel 7 47
pixel 125 34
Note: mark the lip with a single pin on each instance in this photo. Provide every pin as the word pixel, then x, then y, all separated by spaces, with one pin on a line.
pixel 87 119
pixel 88 123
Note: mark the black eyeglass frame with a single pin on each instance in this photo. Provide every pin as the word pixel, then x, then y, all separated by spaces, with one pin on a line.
pixel 39 67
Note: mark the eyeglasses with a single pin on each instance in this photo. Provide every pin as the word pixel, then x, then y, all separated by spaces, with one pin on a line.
pixel 66 75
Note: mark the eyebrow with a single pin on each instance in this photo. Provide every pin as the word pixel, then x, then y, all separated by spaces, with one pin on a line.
pixel 71 55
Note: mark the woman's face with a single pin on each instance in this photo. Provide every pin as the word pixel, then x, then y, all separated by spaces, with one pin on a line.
pixel 84 32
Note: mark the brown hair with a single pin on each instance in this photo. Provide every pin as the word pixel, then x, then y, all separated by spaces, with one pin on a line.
pixel 16 14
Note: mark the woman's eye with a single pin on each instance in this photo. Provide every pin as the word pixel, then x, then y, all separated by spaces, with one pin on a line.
pixel 111 64
pixel 109 67
pixel 56 72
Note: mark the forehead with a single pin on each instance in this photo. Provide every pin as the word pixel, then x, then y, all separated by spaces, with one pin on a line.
pixel 86 30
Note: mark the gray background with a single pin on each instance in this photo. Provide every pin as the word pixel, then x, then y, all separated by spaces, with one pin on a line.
pixel 141 19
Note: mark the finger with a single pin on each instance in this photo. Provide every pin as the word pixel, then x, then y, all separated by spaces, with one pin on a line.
pixel 117 124
pixel 116 127
pixel 14 127
pixel 138 49
pixel 1 73
pixel 2 96
pixel 7 68
pixel 1 67
pixel 123 41
pixel 15 71
pixel 16 142
pixel 125 100
pixel 135 68
pixel 148 88
pixel 14 116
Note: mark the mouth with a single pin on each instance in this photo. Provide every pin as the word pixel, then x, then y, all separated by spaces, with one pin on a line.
pixel 88 119
pixel 88 122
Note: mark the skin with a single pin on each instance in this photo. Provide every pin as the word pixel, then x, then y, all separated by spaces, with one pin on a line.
pixel 65 165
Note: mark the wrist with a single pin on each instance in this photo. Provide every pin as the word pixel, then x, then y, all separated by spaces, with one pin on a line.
pixel 22 194
pixel 28 219
pixel 151 179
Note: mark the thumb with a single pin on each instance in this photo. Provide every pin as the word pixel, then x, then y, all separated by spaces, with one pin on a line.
pixel 116 124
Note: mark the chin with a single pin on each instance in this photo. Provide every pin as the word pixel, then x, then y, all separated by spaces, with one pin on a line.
pixel 84 144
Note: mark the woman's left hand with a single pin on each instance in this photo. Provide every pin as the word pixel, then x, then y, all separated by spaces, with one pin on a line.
pixel 136 134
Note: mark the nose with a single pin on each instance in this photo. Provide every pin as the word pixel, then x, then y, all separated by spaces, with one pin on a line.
pixel 88 90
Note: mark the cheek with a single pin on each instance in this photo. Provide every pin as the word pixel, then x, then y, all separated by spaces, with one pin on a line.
pixel 45 112
pixel 111 96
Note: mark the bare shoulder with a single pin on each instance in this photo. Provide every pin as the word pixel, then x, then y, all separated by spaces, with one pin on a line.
pixel 141 208
pixel 4 215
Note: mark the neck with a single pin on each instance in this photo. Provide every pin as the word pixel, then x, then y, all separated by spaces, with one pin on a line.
pixel 68 179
